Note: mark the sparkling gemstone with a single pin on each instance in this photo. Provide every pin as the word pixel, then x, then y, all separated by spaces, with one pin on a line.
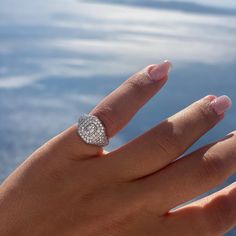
pixel 91 130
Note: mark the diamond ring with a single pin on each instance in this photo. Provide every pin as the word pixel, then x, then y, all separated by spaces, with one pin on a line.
pixel 92 130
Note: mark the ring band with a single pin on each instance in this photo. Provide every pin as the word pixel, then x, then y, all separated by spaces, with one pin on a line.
pixel 92 130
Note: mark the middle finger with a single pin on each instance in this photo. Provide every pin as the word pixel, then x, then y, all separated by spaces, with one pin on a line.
pixel 167 141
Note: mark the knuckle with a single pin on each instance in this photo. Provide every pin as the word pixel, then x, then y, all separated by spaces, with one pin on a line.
pixel 170 145
pixel 213 168
pixel 205 113
pixel 171 142
pixel 203 110
pixel 136 82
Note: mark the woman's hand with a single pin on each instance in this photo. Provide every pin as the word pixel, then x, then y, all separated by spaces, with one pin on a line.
pixel 68 187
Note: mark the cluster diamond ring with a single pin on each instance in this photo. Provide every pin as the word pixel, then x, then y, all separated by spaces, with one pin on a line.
pixel 92 130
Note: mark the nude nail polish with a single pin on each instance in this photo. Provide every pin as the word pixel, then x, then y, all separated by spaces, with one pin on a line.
pixel 221 104
pixel 158 72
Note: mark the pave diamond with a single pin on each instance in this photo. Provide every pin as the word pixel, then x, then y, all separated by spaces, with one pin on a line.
pixel 92 131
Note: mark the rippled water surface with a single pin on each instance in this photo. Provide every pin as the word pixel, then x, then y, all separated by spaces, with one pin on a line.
pixel 59 58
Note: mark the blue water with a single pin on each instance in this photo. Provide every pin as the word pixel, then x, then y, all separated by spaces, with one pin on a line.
pixel 58 60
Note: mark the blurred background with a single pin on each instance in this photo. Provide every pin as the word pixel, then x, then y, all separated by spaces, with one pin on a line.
pixel 58 59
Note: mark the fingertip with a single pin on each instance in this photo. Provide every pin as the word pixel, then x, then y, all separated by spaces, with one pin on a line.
pixel 158 72
pixel 221 104
pixel 169 63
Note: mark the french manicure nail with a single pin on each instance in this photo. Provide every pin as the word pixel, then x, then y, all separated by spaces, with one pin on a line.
pixel 221 104
pixel 158 72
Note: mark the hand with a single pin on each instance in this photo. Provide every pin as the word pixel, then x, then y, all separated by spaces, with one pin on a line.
pixel 68 187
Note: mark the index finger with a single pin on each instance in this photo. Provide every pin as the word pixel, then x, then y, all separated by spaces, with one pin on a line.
pixel 118 108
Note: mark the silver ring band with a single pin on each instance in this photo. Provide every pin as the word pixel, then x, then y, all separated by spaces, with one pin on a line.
pixel 92 130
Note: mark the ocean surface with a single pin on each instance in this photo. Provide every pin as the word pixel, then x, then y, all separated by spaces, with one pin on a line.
pixel 58 59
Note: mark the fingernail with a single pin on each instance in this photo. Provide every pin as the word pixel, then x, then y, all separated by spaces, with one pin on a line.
pixel 221 104
pixel 158 72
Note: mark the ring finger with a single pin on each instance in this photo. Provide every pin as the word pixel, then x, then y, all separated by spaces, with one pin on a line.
pixel 191 175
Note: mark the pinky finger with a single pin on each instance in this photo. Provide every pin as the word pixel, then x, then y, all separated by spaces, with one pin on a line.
pixel 214 215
